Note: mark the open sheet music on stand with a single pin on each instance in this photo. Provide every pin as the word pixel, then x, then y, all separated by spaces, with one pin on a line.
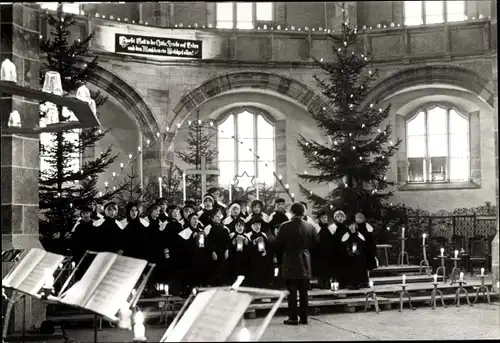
pixel 214 314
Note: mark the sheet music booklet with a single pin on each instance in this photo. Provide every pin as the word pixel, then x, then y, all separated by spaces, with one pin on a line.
pixel 212 316
pixel 29 274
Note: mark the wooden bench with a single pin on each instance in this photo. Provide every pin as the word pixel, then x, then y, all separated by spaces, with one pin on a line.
pixel 385 247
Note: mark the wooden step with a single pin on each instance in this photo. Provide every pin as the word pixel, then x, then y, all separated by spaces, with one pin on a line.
pixel 396 269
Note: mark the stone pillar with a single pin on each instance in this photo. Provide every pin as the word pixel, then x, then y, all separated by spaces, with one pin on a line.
pixel 161 14
pixel 155 162
pixel 20 161
pixel 494 249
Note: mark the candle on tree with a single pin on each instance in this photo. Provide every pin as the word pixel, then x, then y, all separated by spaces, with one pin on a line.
pixel 456 253
pixel 442 252
pixel 482 271
pixel 404 279
pixel 435 278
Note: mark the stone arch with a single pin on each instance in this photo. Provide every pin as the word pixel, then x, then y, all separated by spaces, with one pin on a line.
pixel 278 84
pixel 432 74
pixel 129 98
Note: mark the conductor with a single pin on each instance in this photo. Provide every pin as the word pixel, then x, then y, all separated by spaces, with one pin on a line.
pixel 296 238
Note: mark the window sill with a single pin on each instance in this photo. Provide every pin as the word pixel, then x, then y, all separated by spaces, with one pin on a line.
pixel 438 186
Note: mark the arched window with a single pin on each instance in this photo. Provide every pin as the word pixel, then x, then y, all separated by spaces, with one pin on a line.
pixel 433 12
pixel 438 145
pixel 240 134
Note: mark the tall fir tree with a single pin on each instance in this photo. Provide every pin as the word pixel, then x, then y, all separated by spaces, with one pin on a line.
pixel 359 151
pixel 63 186
pixel 199 144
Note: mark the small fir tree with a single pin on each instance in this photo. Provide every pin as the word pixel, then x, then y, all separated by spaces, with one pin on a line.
pixel 198 144
pixel 359 151
pixel 63 188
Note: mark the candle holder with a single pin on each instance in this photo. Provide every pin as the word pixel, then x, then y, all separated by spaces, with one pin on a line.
pixel 401 296
pixel 424 262
pixel 461 289
pixel 46 292
pixel 456 269
pixel 433 296
pixel 403 253
pixel 484 288
pixel 373 296
pixel 442 267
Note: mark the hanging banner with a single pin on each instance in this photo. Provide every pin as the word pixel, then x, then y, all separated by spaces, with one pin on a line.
pixel 157 46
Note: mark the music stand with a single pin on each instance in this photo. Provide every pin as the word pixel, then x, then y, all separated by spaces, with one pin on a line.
pixel 248 294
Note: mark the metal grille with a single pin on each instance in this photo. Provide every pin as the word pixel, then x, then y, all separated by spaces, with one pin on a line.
pixel 486 227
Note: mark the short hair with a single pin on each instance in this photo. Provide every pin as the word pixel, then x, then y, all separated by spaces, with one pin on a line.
pixel 298 209
pixel 303 204
pixel 162 201
pixel 112 205
pixel 153 207
pixel 213 190
pixel 214 212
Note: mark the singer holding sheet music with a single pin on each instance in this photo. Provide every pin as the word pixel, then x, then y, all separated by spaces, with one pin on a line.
pixel 296 238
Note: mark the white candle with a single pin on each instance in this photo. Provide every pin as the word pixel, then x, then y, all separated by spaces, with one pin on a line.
pixel 482 271
pixel 404 279
pixel 435 278
pixel 388 228
pixel 423 238
pixel 166 290
pixel 461 276
pixel 261 246
pixel 403 232
pixel 456 253
pixel 125 317
pixel 370 284
pixel 239 246
pixel 139 329
pixel 49 279
pixel 442 252
pixel 201 240
pixel 244 335
pixel 334 286
pixel 354 247
pixel 160 187
pixel 184 197
pixel 276 272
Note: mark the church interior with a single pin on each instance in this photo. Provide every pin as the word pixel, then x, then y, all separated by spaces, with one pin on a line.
pixel 247 71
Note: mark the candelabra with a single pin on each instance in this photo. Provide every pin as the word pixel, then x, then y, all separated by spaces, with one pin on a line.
pixel 424 262
pixel 442 267
pixel 433 296
pixel 403 253
pixel 484 288
pixel 401 296
pixel 371 294
pixel 456 269
pixel 461 289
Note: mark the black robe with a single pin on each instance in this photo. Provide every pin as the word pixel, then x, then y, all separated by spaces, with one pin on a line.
pixel 204 217
pixel 230 222
pixel 136 235
pixel 173 264
pixel 276 219
pixel 261 263
pixel 264 226
pixel 82 239
pixel 200 257
pixel 156 252
pixel 163 217
pixel 108 235
pixel 371 247
pixel 96 216
pixel 323 256
pixel 218 242
pixel 239 257
pixel 338 229
pixel 354 270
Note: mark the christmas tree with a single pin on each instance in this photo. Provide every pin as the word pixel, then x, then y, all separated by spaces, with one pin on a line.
pixel 198 144
pixel 358 154
pixel 65 182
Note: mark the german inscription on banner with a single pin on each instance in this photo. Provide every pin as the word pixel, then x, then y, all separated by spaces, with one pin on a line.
pixel 157 46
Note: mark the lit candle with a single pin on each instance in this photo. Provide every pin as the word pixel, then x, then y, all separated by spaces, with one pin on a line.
pixel 239 245
pixel 334 286
pixel 125 317
pixel 423 238
pixel 49 279
pixel 435 278
pixel 244 335
pixel 461 276
pixel 139 329
pixel 73 264
pixel 276 272
pixel 456 253
pixel 404 279
pixel 388 228
pixel 442 252
pixel 354 247
pixel 201 240
pixel 482 271
pixel 403 233
pixel 166 290
pixel 160 187
pixel 161 287
pixel 261 246
pixel 370 284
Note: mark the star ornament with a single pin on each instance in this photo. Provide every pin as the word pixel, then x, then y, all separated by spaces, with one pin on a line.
pixel 244 181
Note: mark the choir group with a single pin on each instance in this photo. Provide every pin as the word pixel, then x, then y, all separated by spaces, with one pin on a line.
pixel 212 245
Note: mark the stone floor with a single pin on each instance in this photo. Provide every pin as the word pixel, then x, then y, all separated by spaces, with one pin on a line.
pixel 479 322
